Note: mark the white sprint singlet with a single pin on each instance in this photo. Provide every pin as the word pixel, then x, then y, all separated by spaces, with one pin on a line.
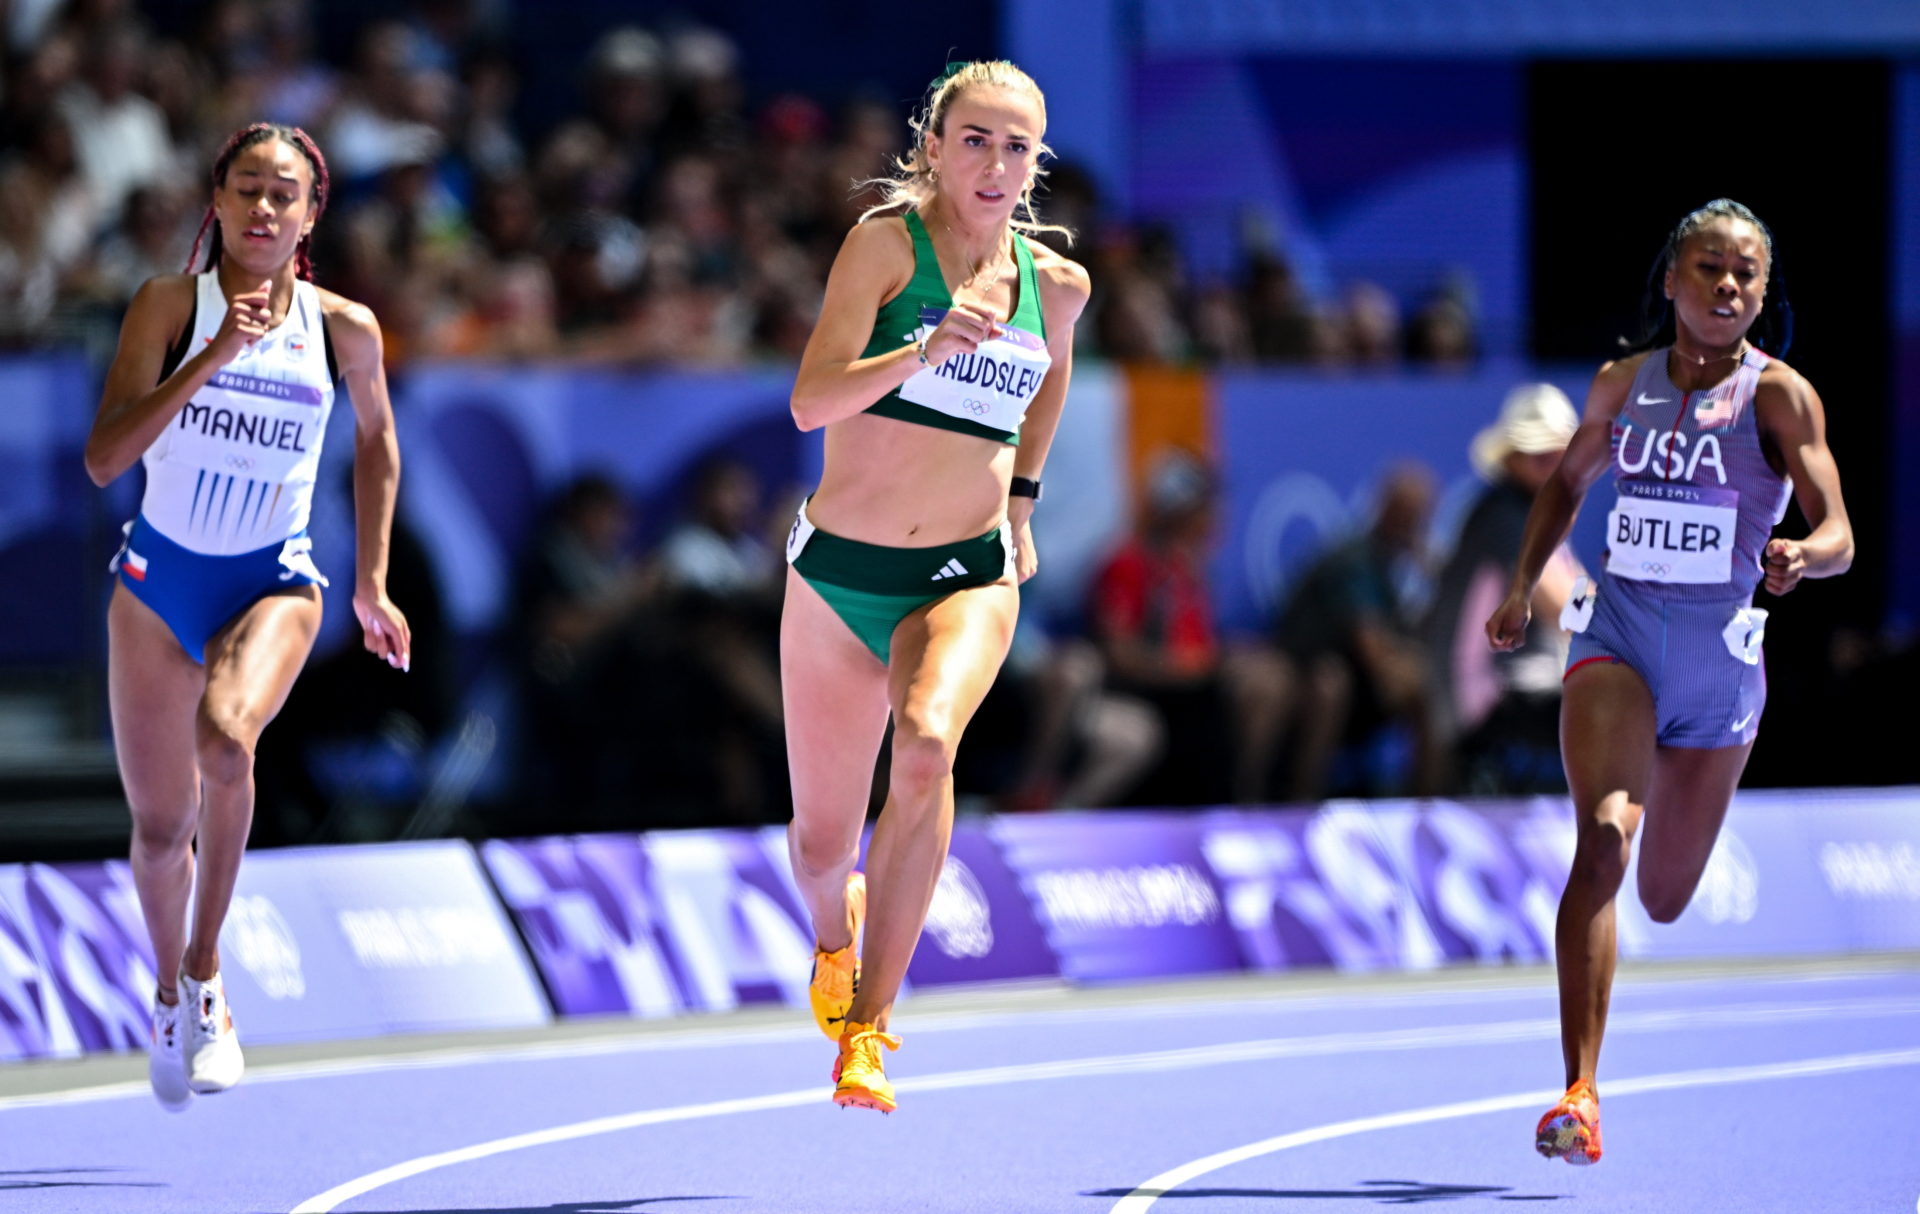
pixel 234 472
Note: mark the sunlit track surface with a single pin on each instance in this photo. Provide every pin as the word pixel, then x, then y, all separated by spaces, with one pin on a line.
pixel 1761 1088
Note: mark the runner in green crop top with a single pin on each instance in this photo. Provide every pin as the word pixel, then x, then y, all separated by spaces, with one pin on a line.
pixel 944 339
pixel 1023 344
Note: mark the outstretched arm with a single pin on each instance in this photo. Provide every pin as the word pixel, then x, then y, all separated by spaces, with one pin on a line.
pixel 1558 502
pixel 376 477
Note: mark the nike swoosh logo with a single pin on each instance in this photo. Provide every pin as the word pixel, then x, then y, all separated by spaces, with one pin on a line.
pixel 1741 724
pixel 1655 400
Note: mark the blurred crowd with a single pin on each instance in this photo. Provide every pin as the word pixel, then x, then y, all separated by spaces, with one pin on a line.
pixel 672 216
pixel 637 683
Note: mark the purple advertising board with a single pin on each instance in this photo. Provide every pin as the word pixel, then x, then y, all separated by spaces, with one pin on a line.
pixel 1122 895
pixel 318 944
pixel 981 927
pixel 1313 890
pixel 76 974
pixel 342 942
pixel 352 941
pixel 591 917
pixel 656 925
pixel 1799 871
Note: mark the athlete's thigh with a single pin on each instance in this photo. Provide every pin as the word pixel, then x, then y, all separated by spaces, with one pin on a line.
pixel 153 690
pixel 1608 731
pixel 834 693
pixel 1686 806
pixel 946 656
pixel 255 657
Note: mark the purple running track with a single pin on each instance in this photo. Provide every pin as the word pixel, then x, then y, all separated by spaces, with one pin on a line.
pixel 1738 1094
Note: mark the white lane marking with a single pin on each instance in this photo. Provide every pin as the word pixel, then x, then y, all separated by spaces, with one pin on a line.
pixel 1148 1191
pixel 937 1021
pixel 1334 1044
pixel 701 1038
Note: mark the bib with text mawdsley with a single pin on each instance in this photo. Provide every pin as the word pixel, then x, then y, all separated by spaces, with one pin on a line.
pixel 992 386
pixel 1674 533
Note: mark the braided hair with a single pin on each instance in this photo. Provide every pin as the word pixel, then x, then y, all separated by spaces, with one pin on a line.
pixel 1772 332
pixel 244 138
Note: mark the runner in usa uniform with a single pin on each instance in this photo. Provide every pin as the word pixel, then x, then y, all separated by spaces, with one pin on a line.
pixel 1705 436
pixel 938 369
pixel 221 387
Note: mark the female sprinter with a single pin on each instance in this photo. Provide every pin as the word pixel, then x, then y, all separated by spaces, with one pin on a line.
pixel 1705 432
pixel 938 369
pixel 221 386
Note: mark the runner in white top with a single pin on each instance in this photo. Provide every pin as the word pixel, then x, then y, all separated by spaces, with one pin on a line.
pixel 235 469
pixel 221 385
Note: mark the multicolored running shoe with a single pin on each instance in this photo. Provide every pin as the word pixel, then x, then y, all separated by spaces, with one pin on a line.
pixel 1571 1129
pixel 836 974
pixel 213 1059
pixel 860 1076
pixel 166 1057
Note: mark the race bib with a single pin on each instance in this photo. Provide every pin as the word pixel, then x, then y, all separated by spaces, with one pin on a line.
pixel 1674 533
pixel 1577 615
pixel 797 537
pixel 1745 633
pixel 992 386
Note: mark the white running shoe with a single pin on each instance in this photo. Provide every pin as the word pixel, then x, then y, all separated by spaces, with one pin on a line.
pixel 213 1060
pixel 166 1060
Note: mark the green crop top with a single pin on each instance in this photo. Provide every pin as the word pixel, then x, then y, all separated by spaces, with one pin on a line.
pixel 985 393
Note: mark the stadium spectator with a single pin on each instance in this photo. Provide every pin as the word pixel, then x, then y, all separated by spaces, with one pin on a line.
pixel 1223 704
pixel 1501 711
pixel 1052 733
pixel 585 606
pixel 725 582
pixel 1349 628
pixel 120 137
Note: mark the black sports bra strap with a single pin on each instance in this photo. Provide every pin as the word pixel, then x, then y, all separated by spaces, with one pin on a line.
pixel 177 352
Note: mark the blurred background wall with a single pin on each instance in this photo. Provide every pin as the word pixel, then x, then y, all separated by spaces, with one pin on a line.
pixel 1326 240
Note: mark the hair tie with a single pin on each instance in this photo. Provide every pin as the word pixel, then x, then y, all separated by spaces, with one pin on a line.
pixel 954 68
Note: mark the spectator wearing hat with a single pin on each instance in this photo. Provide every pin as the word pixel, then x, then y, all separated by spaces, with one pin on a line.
pixel 1500 711
pixel 1223 703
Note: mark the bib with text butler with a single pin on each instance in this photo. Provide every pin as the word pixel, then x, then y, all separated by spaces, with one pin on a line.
pixel 1696 495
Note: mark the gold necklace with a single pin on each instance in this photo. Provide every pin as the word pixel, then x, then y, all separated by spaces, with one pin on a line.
pixel 1698 361
pixel 975 271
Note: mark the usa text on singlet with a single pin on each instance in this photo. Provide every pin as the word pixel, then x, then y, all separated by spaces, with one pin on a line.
pixel 1696 496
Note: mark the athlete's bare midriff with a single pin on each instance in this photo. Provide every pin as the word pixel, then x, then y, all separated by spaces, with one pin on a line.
pixel 908 486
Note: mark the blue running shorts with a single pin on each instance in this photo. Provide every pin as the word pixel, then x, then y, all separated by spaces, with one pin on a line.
pixel 1701 660
pixel 197 594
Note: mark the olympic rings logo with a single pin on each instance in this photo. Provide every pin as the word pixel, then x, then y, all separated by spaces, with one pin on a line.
pixel 979 408
pixel 1655 568
pixel 242 463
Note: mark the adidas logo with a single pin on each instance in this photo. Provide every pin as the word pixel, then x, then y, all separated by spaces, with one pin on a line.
pixel 953 568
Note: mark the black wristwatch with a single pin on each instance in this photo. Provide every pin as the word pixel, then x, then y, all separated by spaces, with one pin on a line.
pixel 1022 486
